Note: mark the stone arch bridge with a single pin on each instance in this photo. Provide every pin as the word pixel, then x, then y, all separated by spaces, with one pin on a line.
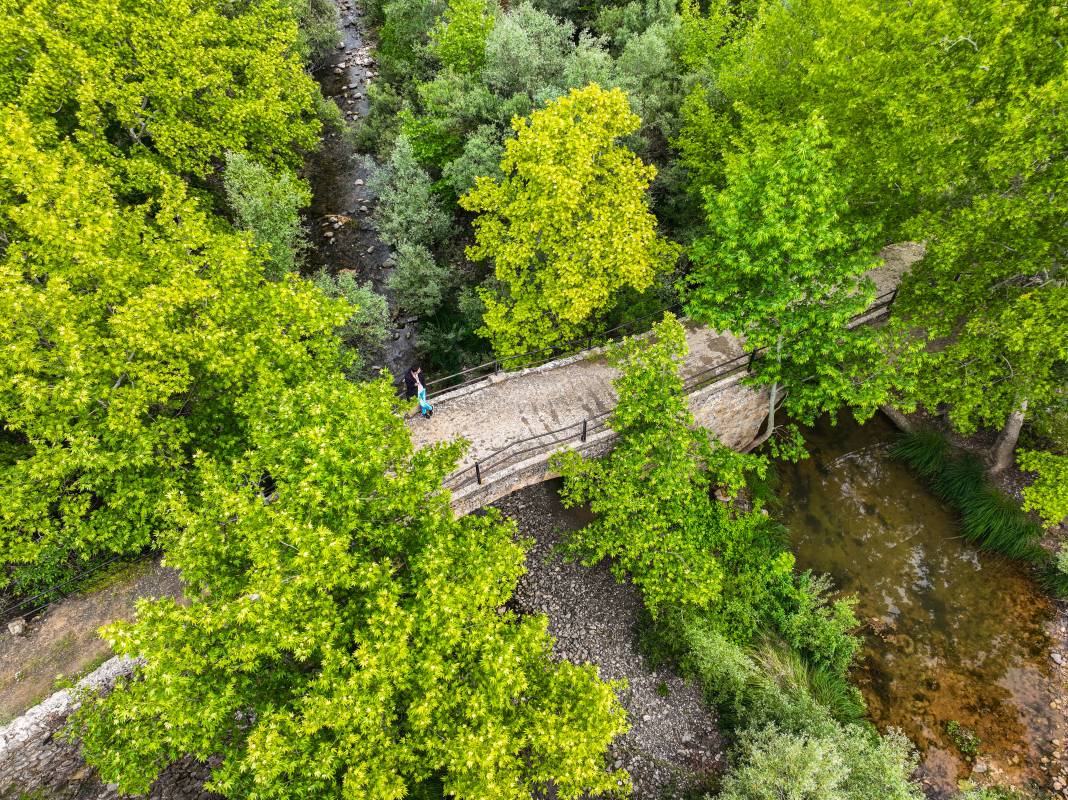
pixel 515 420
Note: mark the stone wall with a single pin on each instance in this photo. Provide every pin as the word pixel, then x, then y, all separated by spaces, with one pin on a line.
pixel 37 762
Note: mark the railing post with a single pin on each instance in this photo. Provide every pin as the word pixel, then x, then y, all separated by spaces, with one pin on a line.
pixel 496 366
pixel 584 429
pixel 752 358
pixel 478 474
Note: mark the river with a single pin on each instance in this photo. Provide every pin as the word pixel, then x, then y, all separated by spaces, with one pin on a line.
pixel 951 633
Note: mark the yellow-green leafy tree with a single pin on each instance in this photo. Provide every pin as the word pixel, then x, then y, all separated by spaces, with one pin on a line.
pixel 181 81
pixel 345 635
pixel 130 332
pixel 568 226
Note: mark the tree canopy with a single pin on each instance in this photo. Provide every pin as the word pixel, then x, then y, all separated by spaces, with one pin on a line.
pixel 131 330
pixel 568 225
pixel 345 634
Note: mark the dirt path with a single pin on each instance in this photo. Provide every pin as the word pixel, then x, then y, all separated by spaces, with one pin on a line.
pixel 62 643
pixel 674 746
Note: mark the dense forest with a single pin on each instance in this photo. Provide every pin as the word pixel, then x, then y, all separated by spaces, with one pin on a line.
pixel 176 377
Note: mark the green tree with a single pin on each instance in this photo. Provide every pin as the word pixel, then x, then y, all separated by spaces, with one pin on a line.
pixel 783 267
pixel 345 634
pixel 946 129
pixel 407 209
pixel 1048 495
pixel 418 282
pixel 268 206
pixel 130 334
pixel 657 517
pixel 568 225
pixel 459 37
pixel 368 324
pixel 111 77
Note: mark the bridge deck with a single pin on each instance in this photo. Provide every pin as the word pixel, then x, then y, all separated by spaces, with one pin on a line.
pixel 547 398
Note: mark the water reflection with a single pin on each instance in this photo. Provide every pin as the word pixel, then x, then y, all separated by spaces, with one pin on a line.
pixel 951 633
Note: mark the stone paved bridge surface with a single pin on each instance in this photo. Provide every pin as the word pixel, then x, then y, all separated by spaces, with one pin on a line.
pixel 510 418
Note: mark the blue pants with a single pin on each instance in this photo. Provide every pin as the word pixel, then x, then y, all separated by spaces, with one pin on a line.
pixel 424 407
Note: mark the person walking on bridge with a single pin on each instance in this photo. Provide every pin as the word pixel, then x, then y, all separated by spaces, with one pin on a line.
pixel 413 384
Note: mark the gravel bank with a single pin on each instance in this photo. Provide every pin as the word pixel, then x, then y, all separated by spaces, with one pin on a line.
pixel 674 745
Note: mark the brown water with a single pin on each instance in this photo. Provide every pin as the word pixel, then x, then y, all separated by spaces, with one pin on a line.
pixel 951 633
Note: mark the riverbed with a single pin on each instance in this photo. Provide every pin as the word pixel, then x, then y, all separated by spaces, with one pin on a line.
pixel 952 634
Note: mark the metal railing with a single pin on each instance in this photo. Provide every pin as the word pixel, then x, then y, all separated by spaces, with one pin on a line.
pixel 536 358
pixel 522 449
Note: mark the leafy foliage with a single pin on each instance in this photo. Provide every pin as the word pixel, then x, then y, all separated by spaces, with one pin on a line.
pixel 368 324
pixel 131 332
pixel 269 207
pixel 784 267
pixel 319 24
pixel 946 130
pixel 1048 495
pixel 109 76
pixel 660 521
pixel 657 517
pixel 343 632
pixel 567 226
pixel 459 38
pixel 786 766
pixel 407 210
pixel 418 281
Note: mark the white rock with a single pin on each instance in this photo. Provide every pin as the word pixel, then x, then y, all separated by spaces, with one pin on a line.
pixel 16 627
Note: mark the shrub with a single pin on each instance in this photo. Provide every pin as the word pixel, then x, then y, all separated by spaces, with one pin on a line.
pixel 847 764
pixel 269 206
pixel 407 210
pixel 319 30
pixel 818 626
pixel 367 328
pixel 481 158
pixel 418 282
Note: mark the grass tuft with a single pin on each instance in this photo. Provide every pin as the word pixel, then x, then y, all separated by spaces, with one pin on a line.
pixel 925 451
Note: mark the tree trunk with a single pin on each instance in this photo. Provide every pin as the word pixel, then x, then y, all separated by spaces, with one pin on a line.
pixel 773 394
pixel 896 417
pixel 1001 456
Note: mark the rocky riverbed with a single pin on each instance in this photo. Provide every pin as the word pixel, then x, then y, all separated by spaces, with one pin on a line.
pixel 674 745
pixel 338 223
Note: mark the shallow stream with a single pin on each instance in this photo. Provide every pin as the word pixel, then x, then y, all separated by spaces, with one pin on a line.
pixel 951 633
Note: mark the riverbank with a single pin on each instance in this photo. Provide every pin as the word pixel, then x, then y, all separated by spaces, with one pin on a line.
pixel 674 745
pixel 1011 481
